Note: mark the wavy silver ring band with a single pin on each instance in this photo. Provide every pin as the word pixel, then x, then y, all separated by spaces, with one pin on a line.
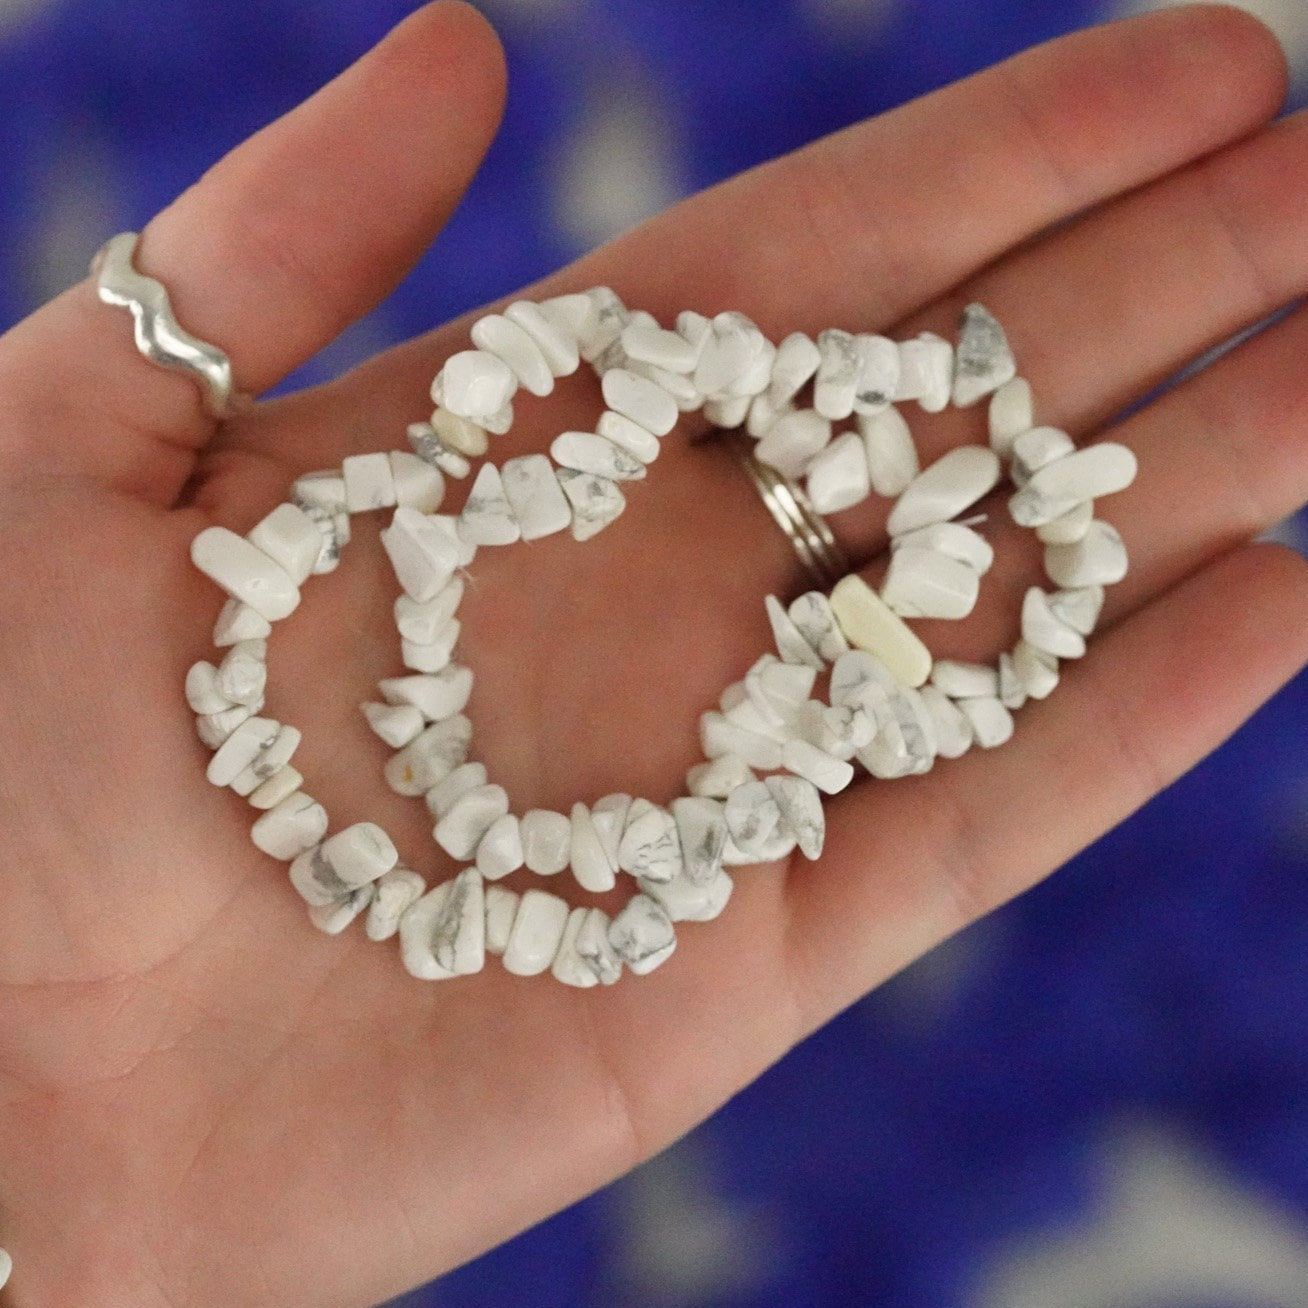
pixel 158 336
pixel 793 512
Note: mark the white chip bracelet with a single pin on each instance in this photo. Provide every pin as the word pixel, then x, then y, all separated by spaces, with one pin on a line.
pixel 773 748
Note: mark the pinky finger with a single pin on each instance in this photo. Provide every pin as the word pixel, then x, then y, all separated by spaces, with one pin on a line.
pixel 911 863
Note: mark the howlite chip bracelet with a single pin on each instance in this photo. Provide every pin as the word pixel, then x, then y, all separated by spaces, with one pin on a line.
pixel 825 410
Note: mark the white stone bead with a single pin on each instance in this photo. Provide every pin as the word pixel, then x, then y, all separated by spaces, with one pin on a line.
pixel 501 909
pixel 245 572
pixel 857 674
pixel 202 693
pixel 268 762
pixel 890 451
pixel 6 1268
pixel 801 812
pixel 596 501
pixel 684 900
pixel 729 413
pixel 793 441
pixel 436 695
pixel 1012 692
pixel 557 345
pixel 506 340
pixel 1042 627
pixel 1011 414
pixel 536 934
pixel 701 833
pixel 762 414
pixel 752 817
pixel 334 533
pixel 754 380
pixel 780 845
pixel 536 500
pixel 718 736
pixel 727 354
pixel 421 552
pixel 487 517
pixel 447 792
pixel 546 841
pixel 839 367
pixel 642 934
pixel 322 490
pixel 830 775
pixel 840 730
pixel 418 484
pixel 595 950
pixel 1060 486
pixel 476 385
pixel 923 583
pixel 457 930
pixel 289 828
pixel 1033 449
pixel 795 365
pixel 630 436
pixel 369 483
pixel 1036 669
pixel 680 387
pixel 432 450
pixel 983 361
pixel 237 622
pixel 360 853
pixel 778 689
pixel 499 851
pixel 870 624
pixel 665 349
pixel 605 327
pixel 423 620
pixel 926 372
pixel 270 792
pixel 332 918
pixel 449 524
pixel 650 846
pixel 791 645
pixel 951 485
pixel 953 730
pixel 609 817
pixel 289 537
pixel 838 476
pixel 737 708
pixel 1080 608
pixel 214 728
pixel 568 966
pixel 816 623
pixel 719 777
pixel 460 831
pixel 242 676
pixel 1068 528
pixel 393 892
pixel 961 680
pixel 240 749
pixel 590 864
pixel 954 540
pixel 416 929
pixel 433 655
pixel 574 315
pixel 586 451
pixel 992 724
pixel 429 757
pixel 878 376
pixel 459 434
pixel 1097 560
pixel 905 742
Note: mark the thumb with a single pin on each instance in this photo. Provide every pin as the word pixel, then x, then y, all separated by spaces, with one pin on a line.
pixel 281 245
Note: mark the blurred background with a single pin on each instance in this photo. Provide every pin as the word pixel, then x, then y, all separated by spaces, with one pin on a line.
pixel 1097 1098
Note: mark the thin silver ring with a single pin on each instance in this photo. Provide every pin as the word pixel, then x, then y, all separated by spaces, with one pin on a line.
pixel 158 336
pixel 793 512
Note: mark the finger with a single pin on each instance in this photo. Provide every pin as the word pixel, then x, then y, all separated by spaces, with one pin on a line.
pixel 911 862
pixel 1103 311
pixel 278 247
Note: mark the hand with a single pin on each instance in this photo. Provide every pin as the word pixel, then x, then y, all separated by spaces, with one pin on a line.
pixel 202 1099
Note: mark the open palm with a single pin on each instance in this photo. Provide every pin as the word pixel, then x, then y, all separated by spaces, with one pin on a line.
pixel 202 1099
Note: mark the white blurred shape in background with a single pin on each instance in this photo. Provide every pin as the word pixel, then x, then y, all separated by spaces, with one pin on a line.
pixel 1172 1228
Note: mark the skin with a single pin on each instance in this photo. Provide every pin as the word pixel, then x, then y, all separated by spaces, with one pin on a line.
pixel 202 1099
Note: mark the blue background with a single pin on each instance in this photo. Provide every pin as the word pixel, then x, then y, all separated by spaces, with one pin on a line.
pixel 1099 1096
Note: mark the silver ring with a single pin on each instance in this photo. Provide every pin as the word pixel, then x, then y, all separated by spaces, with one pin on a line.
pixel 158 336
pixel 793 512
